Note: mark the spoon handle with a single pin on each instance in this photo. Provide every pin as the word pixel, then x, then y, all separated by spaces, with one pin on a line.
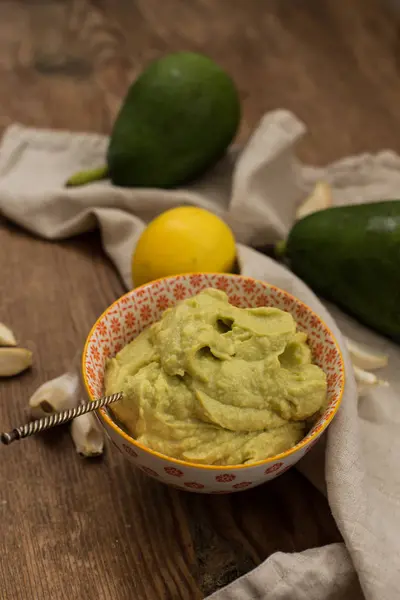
pixel 57 419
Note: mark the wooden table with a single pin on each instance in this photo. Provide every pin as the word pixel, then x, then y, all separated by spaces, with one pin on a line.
pixel 94 530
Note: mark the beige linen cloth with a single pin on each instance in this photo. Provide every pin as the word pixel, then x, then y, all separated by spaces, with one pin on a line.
pixel 256 190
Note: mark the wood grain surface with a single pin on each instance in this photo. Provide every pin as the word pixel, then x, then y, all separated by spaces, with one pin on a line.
pixel 95 530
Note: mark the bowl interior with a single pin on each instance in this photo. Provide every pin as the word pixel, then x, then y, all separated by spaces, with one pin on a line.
pixel 141 307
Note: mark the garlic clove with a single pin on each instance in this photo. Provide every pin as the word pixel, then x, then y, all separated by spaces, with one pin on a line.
pixel 7 337
pixel 319 199
pixel 87 435
pixel 55 395
pixel 14 360
pixel 364 357
pixel 365 380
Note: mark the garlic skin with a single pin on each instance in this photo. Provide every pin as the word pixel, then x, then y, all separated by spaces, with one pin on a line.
pixel 55 395
pixel 7 337
pixel 319 199
pixel 87 436
pixel 14 360
pixel 364 357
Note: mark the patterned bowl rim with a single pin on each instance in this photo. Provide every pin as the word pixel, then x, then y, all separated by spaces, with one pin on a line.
pixel 304 442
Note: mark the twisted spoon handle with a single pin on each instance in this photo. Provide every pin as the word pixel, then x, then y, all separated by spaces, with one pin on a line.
pixel 57 419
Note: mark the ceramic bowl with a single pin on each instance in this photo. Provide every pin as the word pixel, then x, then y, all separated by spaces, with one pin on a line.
pixel 137 309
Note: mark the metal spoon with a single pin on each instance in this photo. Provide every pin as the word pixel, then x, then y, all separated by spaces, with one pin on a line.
pixel 57 419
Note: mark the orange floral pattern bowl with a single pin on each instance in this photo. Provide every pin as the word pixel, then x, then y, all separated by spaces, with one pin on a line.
pixel 137 309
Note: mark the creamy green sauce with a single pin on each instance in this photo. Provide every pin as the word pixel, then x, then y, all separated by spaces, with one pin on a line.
pixel 211 383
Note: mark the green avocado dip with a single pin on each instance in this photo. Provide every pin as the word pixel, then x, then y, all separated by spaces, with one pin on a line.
pixel 217 385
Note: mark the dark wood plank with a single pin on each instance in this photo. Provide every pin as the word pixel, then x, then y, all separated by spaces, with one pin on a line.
pixel 99 530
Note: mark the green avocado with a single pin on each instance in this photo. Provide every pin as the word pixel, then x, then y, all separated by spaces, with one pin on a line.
pixel 177 120
pixel 350 255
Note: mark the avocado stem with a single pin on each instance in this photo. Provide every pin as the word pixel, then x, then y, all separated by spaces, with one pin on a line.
pixel 84 177
pixel 280 249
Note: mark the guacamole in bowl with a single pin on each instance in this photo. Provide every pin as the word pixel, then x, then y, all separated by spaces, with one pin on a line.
pixel 214 384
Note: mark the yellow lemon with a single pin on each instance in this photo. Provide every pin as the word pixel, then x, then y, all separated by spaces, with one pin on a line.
pixel 186 239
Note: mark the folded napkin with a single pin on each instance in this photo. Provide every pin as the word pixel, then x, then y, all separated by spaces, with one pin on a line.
pixel 256 189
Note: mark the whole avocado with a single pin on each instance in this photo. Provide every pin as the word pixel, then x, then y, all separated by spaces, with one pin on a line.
pixel 350 255
pixel 177 120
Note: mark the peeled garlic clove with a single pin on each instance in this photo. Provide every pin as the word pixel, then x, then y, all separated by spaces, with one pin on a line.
pixel 365 377
pixel 364 357
pixel 87 435
pixel 319 199
pixel 55 395
pixel 14 360
pixel 365 380
pixel 7 337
